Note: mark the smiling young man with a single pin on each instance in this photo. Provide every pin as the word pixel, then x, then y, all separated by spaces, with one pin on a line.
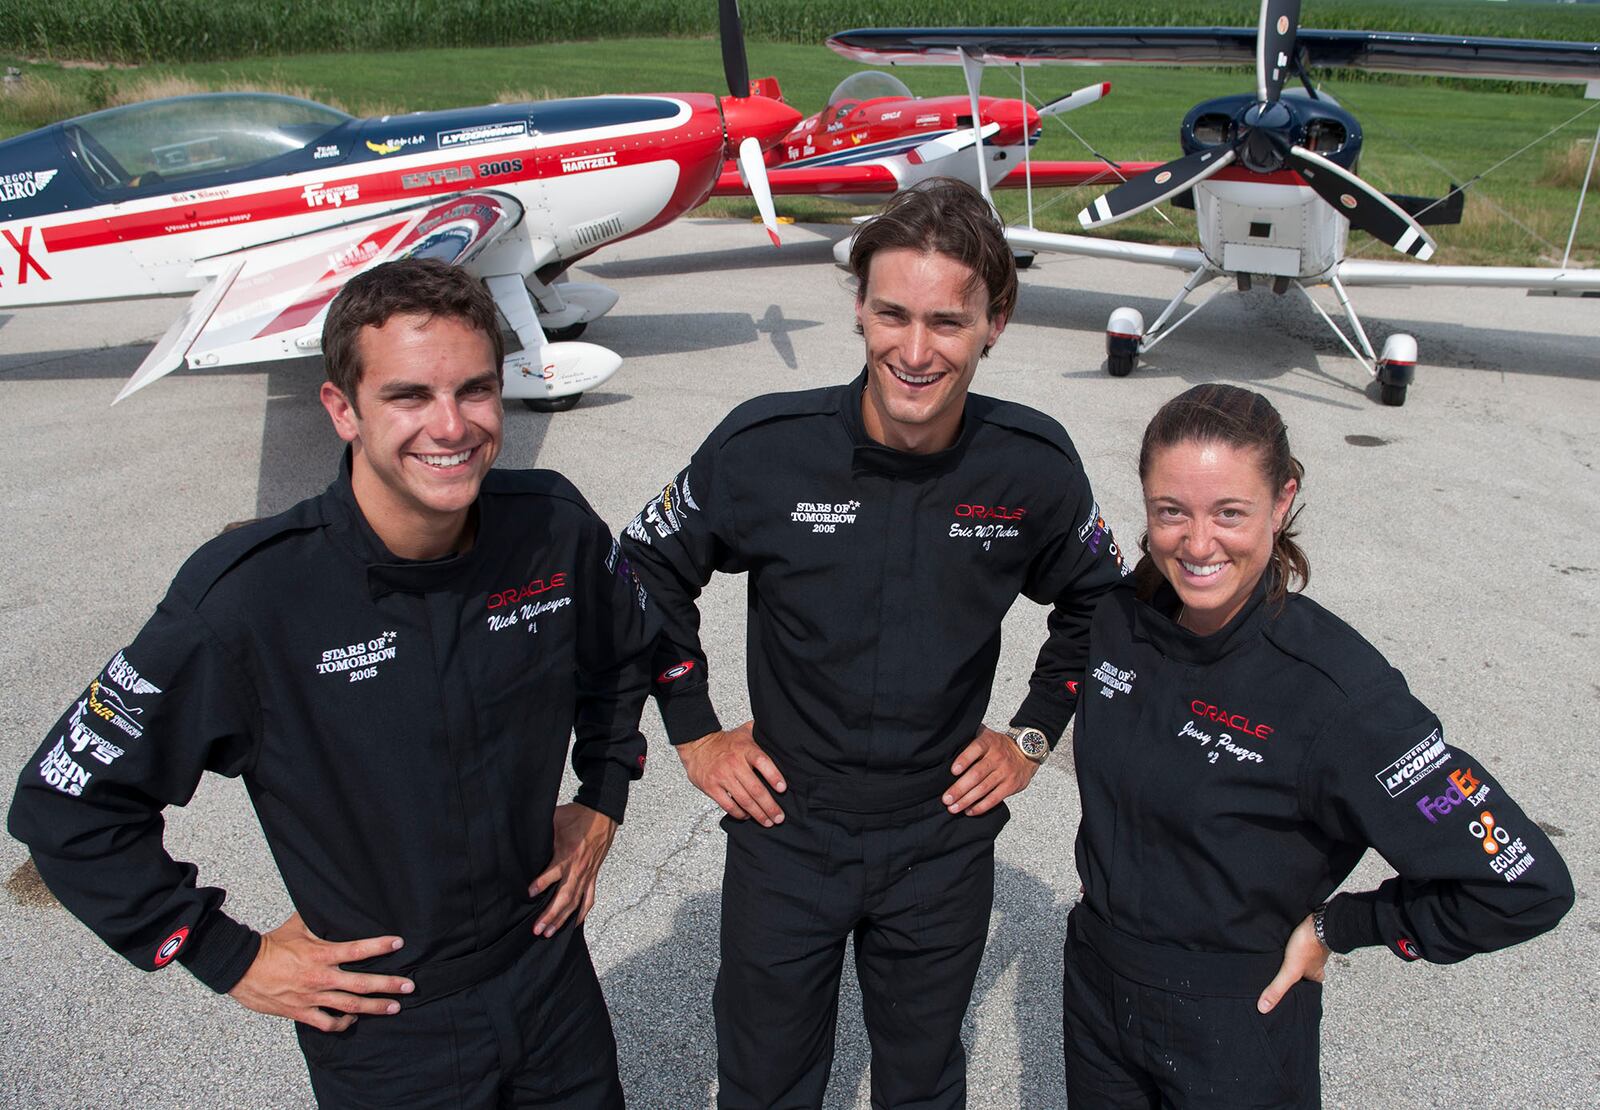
pixel 886 526
pixel 395 667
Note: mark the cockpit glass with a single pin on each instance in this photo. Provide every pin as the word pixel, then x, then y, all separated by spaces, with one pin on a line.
pixel 869 84
pixel 163 141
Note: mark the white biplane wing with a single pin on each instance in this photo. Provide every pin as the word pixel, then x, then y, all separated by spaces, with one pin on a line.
pixel 268 302
pixel 1354 271
pixel 1181 258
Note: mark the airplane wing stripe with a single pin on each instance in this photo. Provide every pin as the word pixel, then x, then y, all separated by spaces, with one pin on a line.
pixel 1377 51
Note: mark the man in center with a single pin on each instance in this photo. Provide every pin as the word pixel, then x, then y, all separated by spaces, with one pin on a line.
pixel 887 526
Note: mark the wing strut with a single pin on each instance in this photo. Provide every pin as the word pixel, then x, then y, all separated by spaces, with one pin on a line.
pixel 972 69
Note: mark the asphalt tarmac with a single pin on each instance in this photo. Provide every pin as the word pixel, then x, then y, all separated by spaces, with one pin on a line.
pixel 1461 534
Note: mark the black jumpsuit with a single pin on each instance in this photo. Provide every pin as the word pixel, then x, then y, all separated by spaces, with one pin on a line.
pixel 401 728
pixel 1229 784
pixel 878 581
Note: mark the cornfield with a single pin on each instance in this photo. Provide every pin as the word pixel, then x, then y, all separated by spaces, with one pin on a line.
pixel 143 31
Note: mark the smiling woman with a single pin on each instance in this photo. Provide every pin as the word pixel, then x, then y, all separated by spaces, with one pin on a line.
pixel 1239 749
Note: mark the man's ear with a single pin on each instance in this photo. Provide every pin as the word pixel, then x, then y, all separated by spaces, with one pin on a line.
pixel 346 422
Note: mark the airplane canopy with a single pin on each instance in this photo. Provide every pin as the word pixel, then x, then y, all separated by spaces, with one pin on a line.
pixel 869 84
pixel 164 141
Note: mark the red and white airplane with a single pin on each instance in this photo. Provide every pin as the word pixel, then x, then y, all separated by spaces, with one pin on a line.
pixel 1272 175
pixel 875 137
pixel 263 206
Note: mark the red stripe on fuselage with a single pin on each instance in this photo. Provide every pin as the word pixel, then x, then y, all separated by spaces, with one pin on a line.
pixel 696 145
pixel 1237 172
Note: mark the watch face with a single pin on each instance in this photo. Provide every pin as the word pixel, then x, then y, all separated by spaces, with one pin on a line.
pixel 1033 743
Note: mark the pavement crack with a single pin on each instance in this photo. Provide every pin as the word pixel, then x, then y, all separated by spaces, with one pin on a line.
pixel 658 874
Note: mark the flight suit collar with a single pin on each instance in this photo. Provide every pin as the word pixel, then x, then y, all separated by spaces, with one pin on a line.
pixel 386 572
pixel 872 456
pixel 1153 622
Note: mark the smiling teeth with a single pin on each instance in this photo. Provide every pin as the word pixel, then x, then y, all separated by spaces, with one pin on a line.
pixel 1203 572
pixel 446 460
pixel 914 380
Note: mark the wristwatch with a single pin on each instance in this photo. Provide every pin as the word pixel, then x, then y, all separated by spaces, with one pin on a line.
pixel 1034 744
pixel 1317 916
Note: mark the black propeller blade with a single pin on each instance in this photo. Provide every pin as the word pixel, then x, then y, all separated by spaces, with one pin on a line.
pixel 1154 186
pixel 734 65
pixel 1367 209
pixel 1280 20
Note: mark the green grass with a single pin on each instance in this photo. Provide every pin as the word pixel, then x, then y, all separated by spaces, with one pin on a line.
pixel 1420 137
pixel 199 30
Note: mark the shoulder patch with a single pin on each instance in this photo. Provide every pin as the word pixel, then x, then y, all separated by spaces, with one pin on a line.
pixel 1308 632
pixel 778 406
pixel 533 483
pixel 1021 418
pixel 217 556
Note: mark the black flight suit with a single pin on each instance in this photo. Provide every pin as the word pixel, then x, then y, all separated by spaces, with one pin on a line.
pixel 878 581
pixel 401 728
pixel 1230 783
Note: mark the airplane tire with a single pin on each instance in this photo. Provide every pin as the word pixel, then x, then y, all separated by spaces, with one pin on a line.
pixel 566 334
pixel 553 404
pixel 1119 365
pixel 1391 394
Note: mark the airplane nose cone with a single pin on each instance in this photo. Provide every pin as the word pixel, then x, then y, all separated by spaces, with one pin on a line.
pixel 765 119
pixel 1017 121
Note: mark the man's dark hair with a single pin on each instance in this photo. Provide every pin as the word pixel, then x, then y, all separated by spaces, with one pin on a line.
pixel 407 287
pixel 947 217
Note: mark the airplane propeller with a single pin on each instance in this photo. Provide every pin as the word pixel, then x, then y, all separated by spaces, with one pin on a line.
pixel 1261 137
pixel 1086 95
pixel 1280 19
pixel 750 123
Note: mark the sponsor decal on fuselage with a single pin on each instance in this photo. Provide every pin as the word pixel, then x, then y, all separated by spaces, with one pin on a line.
pixel 27 261
pixel 395 145
pixel 317 194
pixel 578 163
pixel 1427 755
pixel 22 186
pixel 483 133
pixel 327 150
pixel 360 660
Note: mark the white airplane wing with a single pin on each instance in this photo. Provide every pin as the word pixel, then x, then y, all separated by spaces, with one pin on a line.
pixel 268 301
pixel 1180 258
pixel 1354 271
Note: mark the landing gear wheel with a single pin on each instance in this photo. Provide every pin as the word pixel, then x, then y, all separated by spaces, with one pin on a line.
pixel 1120 364
pixel 1023 259
pixel 554 404
pixel 566 334
pixel 1392 395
